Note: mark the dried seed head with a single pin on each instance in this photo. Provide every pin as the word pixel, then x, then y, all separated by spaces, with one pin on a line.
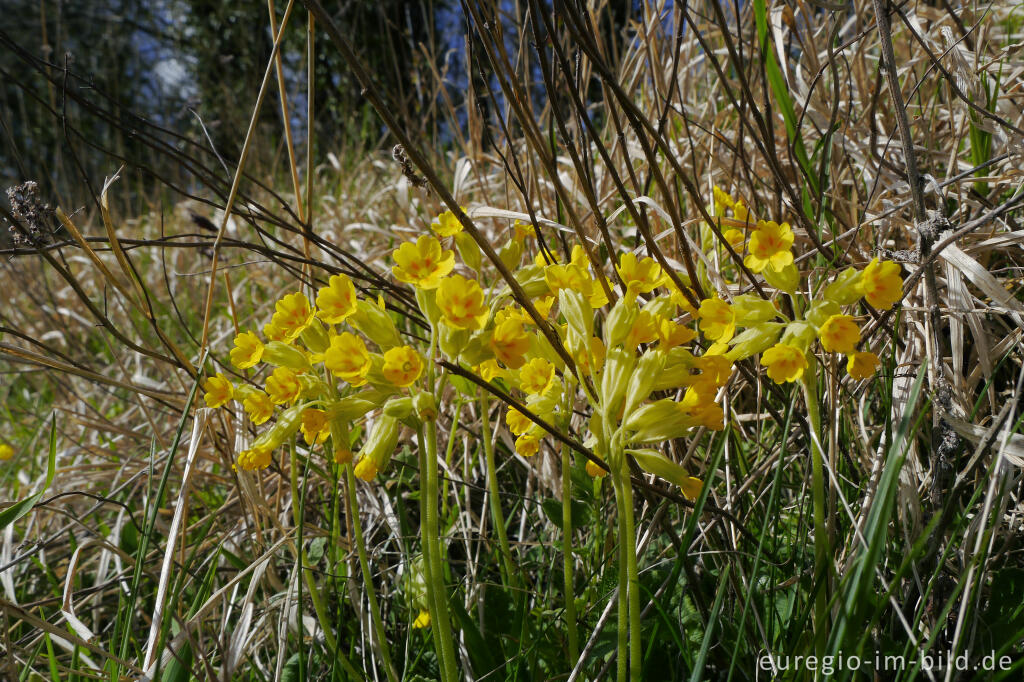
pixel 34 220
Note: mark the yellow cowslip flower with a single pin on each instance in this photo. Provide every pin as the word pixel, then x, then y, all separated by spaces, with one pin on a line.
pixel 254 458
pixel 639 276
pixel 570 276
pixel 283 386
pixel 784 362
pixel 6 451
pixel 861 365
pixel 336 301
pixel 769 246
pixel 422 618
pixel 348 359
pixel 734 237
pixel 528 444
pixel 248 350
pixel 723 200
pixel 679 298
pixel 402 366
pixel 423 263
pixel 717 320
pixel 595 470
pixel 365 469
pixel 219 391
pixel 274 333
pixel 293 314
pixel 509 341
pixel 447 224
pixel 461 302
pixel 258 406
pixel 670 334
pixel 523 231
pixel 537 376
pixel 490 369
pixel 839 334
pixel 543 306
pixel 315 427
pixel 643 330
pixel 700 409
pixel 518 423
pixel 882 284
pixel 715 369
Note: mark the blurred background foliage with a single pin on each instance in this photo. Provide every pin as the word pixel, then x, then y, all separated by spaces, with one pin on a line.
pixel 167 88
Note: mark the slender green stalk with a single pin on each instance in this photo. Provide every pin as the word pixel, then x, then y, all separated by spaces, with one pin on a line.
pixel 629 533
pixel 364 565
pixel 493 494
pixel 622 659
pixel 435 632
pixel 822 570
pixel 431 538
pixel 627 542
pixel 567 562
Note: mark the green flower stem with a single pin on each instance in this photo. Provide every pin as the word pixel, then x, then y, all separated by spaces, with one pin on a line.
pixel 435 632
pixel 364 565
pixel 822 570
pixel 567 562
pixel 627 540
pixel 431 539
pixel 497 517
pixel 622 657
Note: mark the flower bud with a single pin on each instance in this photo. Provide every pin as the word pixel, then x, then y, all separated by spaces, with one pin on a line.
pixel 280 354
pixel 787 279
pixel 373 320
pixel 287 424
pixel 654 462
pixel 620 321
pixel 376 452
pixel 577 312
pixel 531 279
pixel 658 421
pixel 820 311
pixel 798 334
pixel 425 406
pixel 648 369
pixel 511 253
pixel 452 341
pixel 749 310
pixel 615 380
pixel 469 250
pixel 399 408
pixel 350 408
pixel 426 299
pixel 846 290
pixel 315 337
pixel 660 306
pixel 754 340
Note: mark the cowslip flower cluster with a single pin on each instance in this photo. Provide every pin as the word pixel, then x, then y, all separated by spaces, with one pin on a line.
pixel 639 350
pixel 783 343
pixel 327 365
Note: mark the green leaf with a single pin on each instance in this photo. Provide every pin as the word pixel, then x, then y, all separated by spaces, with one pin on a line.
pixel 19 509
